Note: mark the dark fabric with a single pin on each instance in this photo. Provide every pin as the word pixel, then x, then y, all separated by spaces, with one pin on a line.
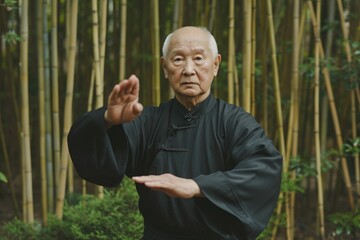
pixel 151 233
pixel 219 145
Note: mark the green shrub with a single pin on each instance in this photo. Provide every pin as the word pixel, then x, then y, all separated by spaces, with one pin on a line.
pixel 347 224
pixel 17 230
pixel 116 216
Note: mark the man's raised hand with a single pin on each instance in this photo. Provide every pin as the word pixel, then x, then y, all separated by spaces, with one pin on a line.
pixel 123 105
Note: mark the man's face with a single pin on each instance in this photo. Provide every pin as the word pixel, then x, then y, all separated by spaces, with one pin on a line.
pixel 190 65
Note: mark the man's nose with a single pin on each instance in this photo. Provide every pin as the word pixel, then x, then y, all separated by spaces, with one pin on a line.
pixel 189 68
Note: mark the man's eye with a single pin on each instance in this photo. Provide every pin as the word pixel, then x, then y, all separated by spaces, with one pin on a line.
pixel 177 59
pixel 199 58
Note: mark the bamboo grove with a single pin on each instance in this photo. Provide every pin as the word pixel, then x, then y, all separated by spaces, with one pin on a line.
pixel 294 64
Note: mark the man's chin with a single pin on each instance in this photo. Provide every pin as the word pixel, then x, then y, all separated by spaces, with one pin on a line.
pixel 190 93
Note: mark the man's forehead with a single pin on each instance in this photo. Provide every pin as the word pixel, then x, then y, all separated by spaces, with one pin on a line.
pixel 189 42
pixel 186 34
pixel 184 48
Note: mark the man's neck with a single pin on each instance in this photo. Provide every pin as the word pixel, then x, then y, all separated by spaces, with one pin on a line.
pixel 190 102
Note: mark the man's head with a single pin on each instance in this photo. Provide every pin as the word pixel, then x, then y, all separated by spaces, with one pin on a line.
pixel 212 42
pixel 190 62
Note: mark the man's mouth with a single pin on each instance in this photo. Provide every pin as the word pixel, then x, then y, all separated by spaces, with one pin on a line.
pixel 188 83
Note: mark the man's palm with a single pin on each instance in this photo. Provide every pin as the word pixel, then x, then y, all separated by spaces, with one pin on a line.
pixel 123 105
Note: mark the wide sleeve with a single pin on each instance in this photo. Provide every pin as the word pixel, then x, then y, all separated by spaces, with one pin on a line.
pixel 99 154
pixel 239 202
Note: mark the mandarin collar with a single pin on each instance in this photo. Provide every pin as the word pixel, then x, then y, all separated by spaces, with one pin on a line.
pixel 198 110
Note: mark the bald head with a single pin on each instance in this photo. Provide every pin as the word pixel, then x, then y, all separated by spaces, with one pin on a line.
pixel 190 31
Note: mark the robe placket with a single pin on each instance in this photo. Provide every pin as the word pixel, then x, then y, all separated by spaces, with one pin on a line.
pixel 173 148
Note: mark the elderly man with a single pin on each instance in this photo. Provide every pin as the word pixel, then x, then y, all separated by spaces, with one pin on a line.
pixel 203 168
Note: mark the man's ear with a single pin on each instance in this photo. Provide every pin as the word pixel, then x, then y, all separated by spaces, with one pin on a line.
pixel 217 64
pixel 163 65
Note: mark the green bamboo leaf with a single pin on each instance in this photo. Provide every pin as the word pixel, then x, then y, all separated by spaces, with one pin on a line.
pixel 2 177
pixel 339 231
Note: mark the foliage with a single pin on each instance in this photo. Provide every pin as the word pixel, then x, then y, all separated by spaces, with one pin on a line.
pixel 347 224
pixel 291 182
pixel 351 70
pixel 300 170
pixel 9 3
pixel 16 229
pixel 279 221
pixel 307 68
pixel 2 177
pixel 352 147
pixel 11 37
pixel 114 217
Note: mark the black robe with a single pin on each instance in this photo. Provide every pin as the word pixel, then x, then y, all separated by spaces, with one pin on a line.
pixel 218 145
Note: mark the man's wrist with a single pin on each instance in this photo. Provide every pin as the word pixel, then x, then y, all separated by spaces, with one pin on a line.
pixel 197 190
pixel 108 124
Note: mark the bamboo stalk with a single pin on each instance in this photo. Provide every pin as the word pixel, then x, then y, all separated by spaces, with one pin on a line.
pixel 236 84
pixel 335 117
pixel 264 67
pixel 67 51
pixel 102 42
pixel 95 31
pixel 295 79
pixel 89 107
pixel 206 13
pixel 345 32
pixel 67 109
pixel 247 56
pixel 212 15
pixel 175 25
pixel 317 121
pixel 175 19
pixel 70 177
pixel 181 13
pixel 123 40
pixel 279 118
pixel 292 148
pixel 97 69
pixel 156 53
pixel 291 195
pixel 231 53
pixel 253 58
pixel 101 49
pixel 25 125
pixel 42 133
pixel 23 179
pixel 55 100
pixel 47 100
pixel 325 105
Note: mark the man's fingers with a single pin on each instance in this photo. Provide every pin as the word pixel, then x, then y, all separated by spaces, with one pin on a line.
pixel 129 86
pixel 170 185
pixel 114 93
pixel 133 79
pixel 137 108
pixel 142 179
pixel 126 88
pixel 154 181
